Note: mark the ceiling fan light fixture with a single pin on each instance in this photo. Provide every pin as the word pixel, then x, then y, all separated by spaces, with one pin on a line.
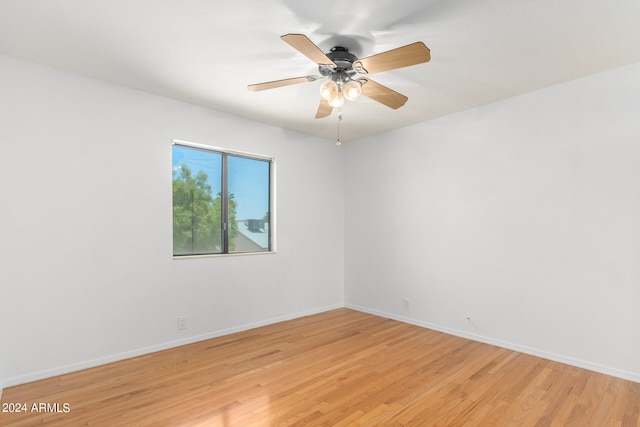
pixel 337 101
pixel 329 90
pixel 352 90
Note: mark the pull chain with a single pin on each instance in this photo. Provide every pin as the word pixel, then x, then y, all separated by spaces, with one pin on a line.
pixel 338 142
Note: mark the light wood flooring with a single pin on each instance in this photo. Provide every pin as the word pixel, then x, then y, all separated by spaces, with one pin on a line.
pixel 339 368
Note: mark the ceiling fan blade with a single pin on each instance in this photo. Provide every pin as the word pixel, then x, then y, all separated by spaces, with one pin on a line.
pixel 302 44
pixel 412 54
pixel 382 94
pixel 279 83
pixel 324 109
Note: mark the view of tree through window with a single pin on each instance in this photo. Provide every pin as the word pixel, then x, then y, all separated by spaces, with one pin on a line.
pixel 220 202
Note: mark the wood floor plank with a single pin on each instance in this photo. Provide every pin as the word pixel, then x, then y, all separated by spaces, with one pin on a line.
pixel 339 368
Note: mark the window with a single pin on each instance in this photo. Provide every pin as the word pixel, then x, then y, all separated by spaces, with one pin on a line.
pixel 221 201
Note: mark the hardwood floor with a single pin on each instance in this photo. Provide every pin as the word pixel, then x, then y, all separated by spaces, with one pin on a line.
pixel 338 368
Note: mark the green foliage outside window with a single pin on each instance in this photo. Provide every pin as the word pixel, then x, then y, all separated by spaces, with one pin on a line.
pixel 197 214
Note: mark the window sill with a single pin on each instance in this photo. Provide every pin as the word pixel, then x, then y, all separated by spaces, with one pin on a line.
pixel 180 257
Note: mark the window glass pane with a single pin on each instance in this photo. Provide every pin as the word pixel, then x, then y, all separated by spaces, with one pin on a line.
pixel 197 207
pixel 248 183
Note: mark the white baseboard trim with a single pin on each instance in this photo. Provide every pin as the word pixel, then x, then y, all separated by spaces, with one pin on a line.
pixel 607 370
pixel 61 370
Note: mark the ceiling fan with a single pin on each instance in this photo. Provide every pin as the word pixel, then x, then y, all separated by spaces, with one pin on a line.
pixel 343 69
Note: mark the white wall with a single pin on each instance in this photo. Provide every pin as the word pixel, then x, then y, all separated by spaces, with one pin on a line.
pixel 86 259
pixel 523 215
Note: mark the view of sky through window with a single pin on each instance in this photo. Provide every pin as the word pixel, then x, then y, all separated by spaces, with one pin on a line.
pixel 251 191
pixel 199 212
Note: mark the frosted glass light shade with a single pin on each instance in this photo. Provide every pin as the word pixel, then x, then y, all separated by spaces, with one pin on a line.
pixel 337 101
pixel 328 90
pixel 352 90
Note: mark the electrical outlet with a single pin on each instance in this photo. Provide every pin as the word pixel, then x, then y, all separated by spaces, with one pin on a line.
pixel 182 322
pixel 406 304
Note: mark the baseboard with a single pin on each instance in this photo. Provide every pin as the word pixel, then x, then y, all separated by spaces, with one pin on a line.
pixel 61 370
pixel 607 370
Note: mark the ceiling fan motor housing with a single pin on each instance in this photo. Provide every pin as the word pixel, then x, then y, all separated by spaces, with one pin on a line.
pixel 344 61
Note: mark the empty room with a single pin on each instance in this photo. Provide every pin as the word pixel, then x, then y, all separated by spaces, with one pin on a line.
pixel 336 213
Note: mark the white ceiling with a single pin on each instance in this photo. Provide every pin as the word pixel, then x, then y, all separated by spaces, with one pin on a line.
pixel 207 52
